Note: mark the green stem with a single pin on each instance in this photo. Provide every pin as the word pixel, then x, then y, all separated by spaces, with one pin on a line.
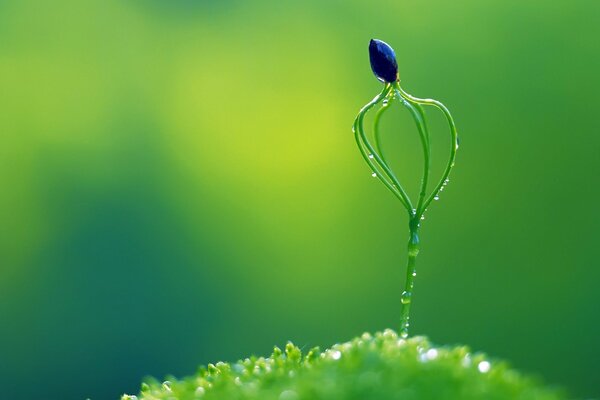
pixel 411 273
pixel 376 160
pixel 376 134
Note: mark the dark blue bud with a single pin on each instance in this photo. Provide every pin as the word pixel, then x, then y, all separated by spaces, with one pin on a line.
pixel 383 61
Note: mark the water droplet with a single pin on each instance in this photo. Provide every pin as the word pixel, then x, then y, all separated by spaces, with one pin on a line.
pixel 422 217
pixel 429 355
pixel 414 274
pixel 374 175
pixel 129 397
pixel 353 129
pixel 390 334
pixel 336 355
pixel 405 299
pixel 447 181
pixel 484 367
pixel 200 391
pixel 436 197
pixel 385 102
pixel 371 156
pixel 167 386
pixel 466 362
pixel 442 188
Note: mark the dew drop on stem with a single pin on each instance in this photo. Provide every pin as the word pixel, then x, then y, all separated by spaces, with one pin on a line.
pixel 406 298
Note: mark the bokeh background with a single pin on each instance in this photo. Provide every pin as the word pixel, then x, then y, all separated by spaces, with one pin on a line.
pixel 180 185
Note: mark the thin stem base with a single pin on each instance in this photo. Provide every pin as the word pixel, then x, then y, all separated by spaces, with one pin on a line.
pixel 411 273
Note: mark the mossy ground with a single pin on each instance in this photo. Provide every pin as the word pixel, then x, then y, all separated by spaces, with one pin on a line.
pixel 379 367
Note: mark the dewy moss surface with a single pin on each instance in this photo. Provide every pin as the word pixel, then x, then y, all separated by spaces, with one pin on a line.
pixel 378 367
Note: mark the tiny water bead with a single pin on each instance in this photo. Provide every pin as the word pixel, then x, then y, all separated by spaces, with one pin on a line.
pixel 429 355
pixel 385 67
pixel 405 298
pixel 466 361
pixel 484 366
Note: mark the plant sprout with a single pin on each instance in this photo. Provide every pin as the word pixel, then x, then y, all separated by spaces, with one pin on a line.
pixel 380 366
pixel 385 68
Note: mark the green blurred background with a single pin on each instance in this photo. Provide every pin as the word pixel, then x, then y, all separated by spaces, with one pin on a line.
pixel 181 185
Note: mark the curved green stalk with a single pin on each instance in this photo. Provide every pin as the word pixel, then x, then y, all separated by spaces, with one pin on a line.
pixel 418 116
pixel 422 113
pixel 377 171
pixel 400 190
pixel 357 127
pixel 377 139
pixel 376 132
pixel 454 146
pixel 377 161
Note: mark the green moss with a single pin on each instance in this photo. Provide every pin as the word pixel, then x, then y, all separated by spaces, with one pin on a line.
pixel 378 367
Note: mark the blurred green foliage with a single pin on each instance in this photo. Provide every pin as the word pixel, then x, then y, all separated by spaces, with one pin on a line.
pixel 368 367
pixel 181 185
